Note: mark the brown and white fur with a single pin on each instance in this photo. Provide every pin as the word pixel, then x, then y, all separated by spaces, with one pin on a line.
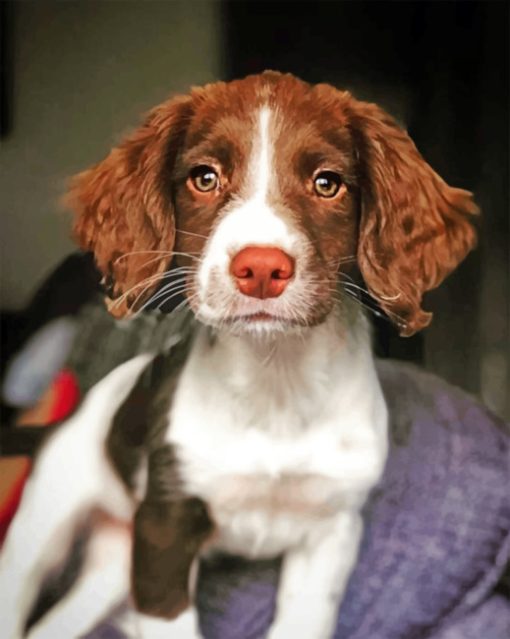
pixel 277 419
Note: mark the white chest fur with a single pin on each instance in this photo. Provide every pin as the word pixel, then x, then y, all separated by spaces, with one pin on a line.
pixel 279 437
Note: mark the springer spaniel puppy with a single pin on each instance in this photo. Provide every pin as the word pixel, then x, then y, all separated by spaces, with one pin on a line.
pixel 265 428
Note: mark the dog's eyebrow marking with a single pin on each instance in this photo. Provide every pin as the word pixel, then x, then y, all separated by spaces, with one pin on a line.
pixel 219 148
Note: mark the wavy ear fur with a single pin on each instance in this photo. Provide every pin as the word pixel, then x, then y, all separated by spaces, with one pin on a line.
pixel 414 228
pixel 124 214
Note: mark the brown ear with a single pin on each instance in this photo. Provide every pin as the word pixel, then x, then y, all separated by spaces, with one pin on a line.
pixel 414 228
pixel 123 210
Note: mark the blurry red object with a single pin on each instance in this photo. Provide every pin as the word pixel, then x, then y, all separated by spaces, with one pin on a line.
pixel 57 403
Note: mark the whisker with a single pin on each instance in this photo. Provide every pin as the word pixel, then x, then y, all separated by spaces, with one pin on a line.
pixel 349 277
pixel 154 259
pixel 153 300
pixel 390 313
pixel 169 297
pixel 387 315
pixel 145 283
pixel 159 255
pixel 336 262
pixel 190 255
pixel 366 306
pixel 152 251
pixel 174 310
pixel 204 237
pixel 186 271
pixel 169 288
pixel 356 286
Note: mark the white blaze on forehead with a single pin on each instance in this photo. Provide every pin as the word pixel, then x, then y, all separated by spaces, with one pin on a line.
pixel 261 160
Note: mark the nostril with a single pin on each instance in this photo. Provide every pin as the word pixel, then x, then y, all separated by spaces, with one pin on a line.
pixel 281 274
pixel 244 273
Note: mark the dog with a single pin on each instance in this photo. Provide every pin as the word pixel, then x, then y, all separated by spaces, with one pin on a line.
pixel 269 194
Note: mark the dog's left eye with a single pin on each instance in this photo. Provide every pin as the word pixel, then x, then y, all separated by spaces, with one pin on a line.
pixel 204 178
pixel 327 183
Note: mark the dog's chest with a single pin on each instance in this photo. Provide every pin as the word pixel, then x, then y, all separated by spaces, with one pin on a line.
pixel 264 492
pixel 269 463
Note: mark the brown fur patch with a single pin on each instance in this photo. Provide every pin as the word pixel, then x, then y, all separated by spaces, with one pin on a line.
pixel 170 526
pixel 168 538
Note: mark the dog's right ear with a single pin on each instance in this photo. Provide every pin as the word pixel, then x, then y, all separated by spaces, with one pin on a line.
pixel 124 213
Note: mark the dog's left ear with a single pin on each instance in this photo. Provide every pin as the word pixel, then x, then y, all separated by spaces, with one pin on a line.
pixel 124 210
pixel 414 228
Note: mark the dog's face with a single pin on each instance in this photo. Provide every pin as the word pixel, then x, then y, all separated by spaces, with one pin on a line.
pixel 273 196
pixel 265 191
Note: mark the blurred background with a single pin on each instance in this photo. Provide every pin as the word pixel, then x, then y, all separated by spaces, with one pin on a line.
pixel 76 75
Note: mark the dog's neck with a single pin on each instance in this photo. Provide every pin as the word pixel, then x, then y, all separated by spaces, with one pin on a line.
pixel 301 370
pixel 344 332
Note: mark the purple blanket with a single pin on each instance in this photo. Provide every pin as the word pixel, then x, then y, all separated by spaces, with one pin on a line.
pixel 437 536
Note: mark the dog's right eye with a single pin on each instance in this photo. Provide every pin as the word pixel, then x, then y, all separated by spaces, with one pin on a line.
pixel 327 184
pixel 204 178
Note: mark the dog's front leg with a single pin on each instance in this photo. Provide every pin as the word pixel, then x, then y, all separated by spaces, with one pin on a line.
pixel 170 529
pixel 313 580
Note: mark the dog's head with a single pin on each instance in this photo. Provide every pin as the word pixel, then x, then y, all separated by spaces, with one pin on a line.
pixel 265 191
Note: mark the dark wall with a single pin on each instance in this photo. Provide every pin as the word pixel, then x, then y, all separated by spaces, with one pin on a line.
pixel 442 69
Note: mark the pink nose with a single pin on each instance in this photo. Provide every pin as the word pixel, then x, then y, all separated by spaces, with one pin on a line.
pixel 261 271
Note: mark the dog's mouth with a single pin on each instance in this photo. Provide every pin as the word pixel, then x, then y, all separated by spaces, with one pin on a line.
pixel 251 321
pixel 260 323
pixel 261 316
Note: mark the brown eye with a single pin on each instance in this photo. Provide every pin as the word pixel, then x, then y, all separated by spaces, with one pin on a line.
pixel 204 178
pixel 327 183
